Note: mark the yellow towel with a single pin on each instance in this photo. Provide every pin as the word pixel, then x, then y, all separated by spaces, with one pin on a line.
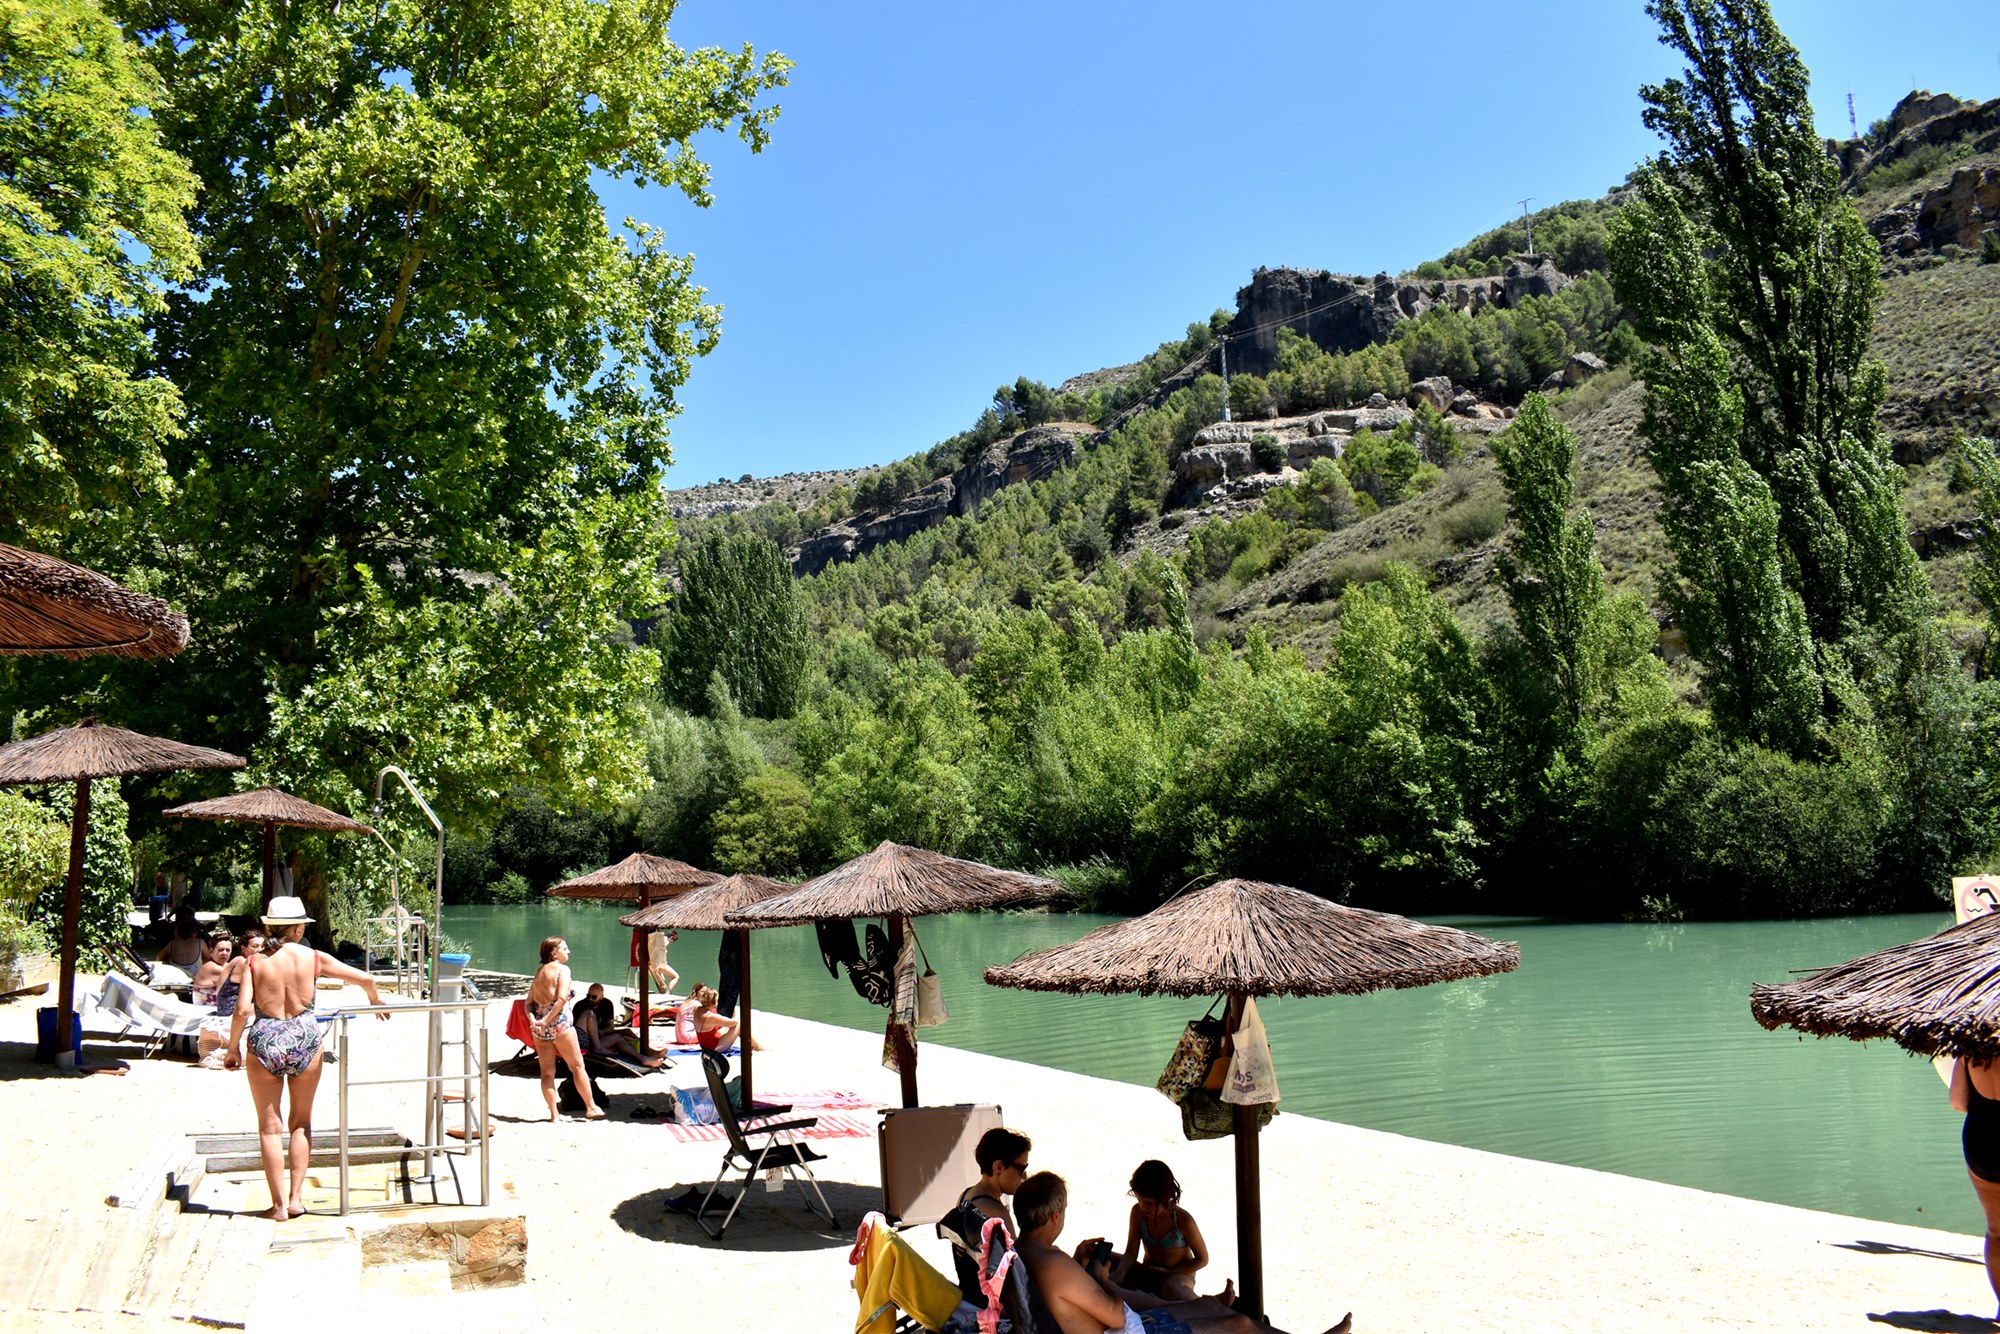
pixel 891 1276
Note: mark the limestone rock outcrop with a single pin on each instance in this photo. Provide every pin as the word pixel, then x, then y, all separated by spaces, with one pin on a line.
pixel 1031 456
pixel 1346 313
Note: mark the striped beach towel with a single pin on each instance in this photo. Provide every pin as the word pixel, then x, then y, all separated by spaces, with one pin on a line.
pixel 832 1125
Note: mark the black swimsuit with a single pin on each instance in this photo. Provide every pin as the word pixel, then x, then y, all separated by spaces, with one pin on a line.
pixel 1982 1134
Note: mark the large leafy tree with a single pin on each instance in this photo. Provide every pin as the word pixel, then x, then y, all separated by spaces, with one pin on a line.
pixel 1751 274
pixel 91 224
pixel 427 382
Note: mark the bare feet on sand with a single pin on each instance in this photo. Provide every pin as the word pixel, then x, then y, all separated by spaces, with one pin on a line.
pixel 594 1114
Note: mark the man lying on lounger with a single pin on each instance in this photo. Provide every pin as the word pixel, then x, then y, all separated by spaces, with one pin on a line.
pixel 1086 1301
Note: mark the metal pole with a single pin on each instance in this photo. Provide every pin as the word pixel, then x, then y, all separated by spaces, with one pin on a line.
pixel 434 1058
pixel 1249 1197
pixel 79 829
pixel 340 1042
pixel 485 1138
pixel 906 1046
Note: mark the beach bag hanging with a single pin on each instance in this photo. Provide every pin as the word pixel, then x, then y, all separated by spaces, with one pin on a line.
pixel 1205 1115
pixel 1251 1078
pixel 930 995
pixel 1197 1050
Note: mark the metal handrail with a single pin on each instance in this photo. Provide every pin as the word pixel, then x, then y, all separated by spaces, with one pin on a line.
pixel 432 1082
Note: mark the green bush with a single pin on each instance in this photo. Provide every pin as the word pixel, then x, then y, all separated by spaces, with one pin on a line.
pixel 1096 885
pixel 34 848
pixel 1989 246
pixel 1474 520
pixel 1267 451
pixel 107 873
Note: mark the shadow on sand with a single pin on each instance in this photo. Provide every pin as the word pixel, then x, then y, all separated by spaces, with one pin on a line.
pixel 1948 1322
pixel 17 1060
pixel 768 1220
pixel 1891 1248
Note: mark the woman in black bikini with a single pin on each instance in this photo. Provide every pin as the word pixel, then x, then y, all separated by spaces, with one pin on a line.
pixel 1975 1090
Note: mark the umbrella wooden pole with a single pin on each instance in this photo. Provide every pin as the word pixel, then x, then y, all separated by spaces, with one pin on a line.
pixel 270 860
pixel 645 976
pixel 1249 1195
pixel 906 1047
pixel 742 938
pixel 79 829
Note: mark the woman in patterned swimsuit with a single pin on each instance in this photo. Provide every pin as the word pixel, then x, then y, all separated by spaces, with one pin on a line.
pixel 555 1035
pixel 284 1046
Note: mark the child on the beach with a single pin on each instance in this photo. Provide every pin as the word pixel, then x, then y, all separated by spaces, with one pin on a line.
pixel 1173 1247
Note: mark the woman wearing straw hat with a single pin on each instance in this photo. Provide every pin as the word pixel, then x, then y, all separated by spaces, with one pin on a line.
pixel 284 1045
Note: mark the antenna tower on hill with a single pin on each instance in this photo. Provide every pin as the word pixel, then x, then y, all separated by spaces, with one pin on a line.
pixel 1852 124
pixel 1529 223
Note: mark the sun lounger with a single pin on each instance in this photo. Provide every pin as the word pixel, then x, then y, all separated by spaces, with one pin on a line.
pixel 151 1015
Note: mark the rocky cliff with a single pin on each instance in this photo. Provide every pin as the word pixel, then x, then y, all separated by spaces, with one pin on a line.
pixel 1344 313
pixel 1028 457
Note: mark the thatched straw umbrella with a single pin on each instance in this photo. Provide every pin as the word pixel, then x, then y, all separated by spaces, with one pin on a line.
pixel 1245 938
pixel 898 883
pixel 270 807
pixel 51 606
pixel 1936 996
pixel 706 909
pixel 639 879
pixel 77 755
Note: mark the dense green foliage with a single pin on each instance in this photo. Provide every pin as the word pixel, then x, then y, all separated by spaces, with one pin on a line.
pixel 427 387
pixel 107 871
pixel 1573 234
pixel 34 848
pixel 738 615
pixel 91 222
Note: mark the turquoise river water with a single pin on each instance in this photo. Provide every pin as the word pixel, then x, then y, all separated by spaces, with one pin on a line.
pixel 1628 1048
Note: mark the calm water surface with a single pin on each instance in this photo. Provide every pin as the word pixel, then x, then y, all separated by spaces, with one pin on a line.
pixel 1628 1048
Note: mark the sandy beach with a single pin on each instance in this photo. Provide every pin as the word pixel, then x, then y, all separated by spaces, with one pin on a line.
pixel 1409 1235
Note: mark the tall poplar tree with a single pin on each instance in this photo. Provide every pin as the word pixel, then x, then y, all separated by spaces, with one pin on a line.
pixel 739 616
pixel 1752 275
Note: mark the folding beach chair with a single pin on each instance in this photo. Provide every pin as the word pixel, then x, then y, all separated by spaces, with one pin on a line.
pixel 773 1153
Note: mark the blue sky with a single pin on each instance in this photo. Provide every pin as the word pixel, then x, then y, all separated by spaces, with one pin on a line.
pixel 957 195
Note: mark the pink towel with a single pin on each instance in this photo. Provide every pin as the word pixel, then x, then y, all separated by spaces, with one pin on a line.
pixel 831 1126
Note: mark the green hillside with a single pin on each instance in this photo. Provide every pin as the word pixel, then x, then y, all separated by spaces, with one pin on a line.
pixel 1131 673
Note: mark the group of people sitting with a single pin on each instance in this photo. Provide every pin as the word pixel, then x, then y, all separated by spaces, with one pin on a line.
pixel 1145 1288
pixel 587 1027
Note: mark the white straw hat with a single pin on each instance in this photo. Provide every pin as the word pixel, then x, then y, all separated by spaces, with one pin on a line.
pixel 286 910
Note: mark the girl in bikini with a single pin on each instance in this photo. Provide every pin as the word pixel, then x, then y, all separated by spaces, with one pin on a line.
pixel 1975 1090
pixel 284 1046
pixel 555 1035
pixel 1174 1249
